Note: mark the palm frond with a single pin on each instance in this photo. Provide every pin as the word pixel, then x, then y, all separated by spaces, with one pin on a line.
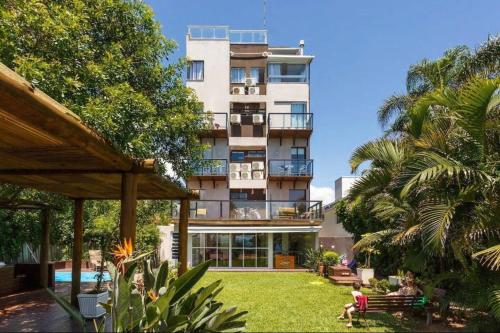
pixel 489 257
pixel 392 107
pixel 428 165
pixel 382 153
pixel 371 239
pixel 425 106
pixel 494 303
pixel 371 183
pixel 436 218
pixel 475 101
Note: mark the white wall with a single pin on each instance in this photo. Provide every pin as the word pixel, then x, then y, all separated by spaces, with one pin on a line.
pixel 166 242
pixel 213 91
pixel 343 185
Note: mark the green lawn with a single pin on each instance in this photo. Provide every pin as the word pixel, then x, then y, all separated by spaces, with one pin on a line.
pixel 284 302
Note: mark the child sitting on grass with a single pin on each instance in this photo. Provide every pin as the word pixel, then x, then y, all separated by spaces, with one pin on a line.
pixel 351 307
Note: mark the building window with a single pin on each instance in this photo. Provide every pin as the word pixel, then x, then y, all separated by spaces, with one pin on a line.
pixel 257 74
pixel 287 72
pixel 238 196
pixel 195 71
pixel 248 250
pixel 237 75
pixel 237 156
pixel 298 153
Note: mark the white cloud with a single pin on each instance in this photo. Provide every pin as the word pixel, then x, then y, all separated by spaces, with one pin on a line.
pixel 325 194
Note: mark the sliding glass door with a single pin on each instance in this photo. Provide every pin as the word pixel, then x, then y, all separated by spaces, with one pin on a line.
pixel 230 250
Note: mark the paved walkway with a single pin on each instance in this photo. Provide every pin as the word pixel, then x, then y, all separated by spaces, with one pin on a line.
pixel 36 311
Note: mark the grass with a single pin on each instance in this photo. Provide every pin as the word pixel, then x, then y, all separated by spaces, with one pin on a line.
pixel 291 302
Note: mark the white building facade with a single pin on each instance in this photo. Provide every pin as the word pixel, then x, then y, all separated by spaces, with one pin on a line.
pixel 254 209
pixel 333 236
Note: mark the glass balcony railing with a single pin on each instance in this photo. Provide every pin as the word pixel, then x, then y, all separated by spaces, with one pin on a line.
pixel 293 121
pixel 212 167
pixel 224 33
pixel 252 210
pixel 215 120
pixel 248 36
pixel 297 168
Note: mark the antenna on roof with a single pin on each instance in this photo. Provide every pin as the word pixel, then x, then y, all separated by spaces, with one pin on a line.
pixel 265 13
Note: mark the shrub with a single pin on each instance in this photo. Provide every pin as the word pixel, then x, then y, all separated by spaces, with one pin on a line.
pixel 380 286
pixel 312 258
pixel 330 258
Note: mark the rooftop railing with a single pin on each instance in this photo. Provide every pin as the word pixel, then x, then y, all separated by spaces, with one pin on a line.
pixel 292 168
pixel 294 121
pixel 224 33
pixel 252 210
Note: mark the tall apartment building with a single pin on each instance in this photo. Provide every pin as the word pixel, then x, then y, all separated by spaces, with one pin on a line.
pixel 254 208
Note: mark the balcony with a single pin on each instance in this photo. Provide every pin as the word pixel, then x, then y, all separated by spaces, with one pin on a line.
pixel 208 32
pixel 290 170
pixel 290 125
pixel 215 125
pixel 214 169
pixel 257 212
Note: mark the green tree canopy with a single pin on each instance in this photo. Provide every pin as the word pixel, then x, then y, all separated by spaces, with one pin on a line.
pixel 107 61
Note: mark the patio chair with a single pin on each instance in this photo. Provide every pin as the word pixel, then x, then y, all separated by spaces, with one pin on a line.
pixel 95 258
pixel 201 212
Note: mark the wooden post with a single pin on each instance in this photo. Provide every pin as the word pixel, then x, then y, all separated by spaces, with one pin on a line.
pixel 76 264
pixel 183 236
pixel 128 207
pixel 44 248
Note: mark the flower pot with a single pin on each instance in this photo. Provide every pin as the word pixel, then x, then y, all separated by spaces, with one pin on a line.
pixel 395 280
pixel 89 304
pixel 365 274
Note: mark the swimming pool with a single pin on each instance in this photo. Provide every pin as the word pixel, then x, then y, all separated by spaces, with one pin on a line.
pixel 84 277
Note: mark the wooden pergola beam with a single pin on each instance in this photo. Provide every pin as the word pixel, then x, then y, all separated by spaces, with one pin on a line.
pixel 76 263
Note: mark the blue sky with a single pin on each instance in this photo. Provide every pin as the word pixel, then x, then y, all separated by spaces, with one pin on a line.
pixel 362 49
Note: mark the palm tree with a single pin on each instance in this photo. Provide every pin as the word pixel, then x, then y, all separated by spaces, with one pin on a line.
pixel 454 69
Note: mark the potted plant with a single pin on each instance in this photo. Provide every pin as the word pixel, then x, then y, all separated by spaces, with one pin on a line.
pixel 101 233
pixel 397 280
pixel 365 272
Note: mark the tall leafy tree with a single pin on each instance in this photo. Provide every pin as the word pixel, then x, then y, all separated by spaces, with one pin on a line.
pixel 107 61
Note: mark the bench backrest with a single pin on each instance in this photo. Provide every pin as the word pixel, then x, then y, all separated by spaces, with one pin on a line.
pixel 391 303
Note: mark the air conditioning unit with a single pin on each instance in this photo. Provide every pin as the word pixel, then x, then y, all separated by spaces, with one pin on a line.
pixel 258 165
pixel 247 167
pixel 238 90
pixel 258 175
pixel 234 175
pixel 250 81
pixel 246 175
pixel 234 167
pixel 235 118
pixel 258 118
pixel 253 91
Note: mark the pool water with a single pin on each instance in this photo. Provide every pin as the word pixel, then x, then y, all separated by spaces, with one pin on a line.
pixel 84 277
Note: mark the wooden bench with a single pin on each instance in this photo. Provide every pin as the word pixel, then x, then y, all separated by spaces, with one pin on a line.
pixel 384 303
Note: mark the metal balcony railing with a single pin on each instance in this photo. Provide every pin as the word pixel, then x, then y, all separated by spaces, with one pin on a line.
pixel 212 167
pixel 291 168
pixel 224 33
pixel 252 210
pixel 215 120
pixel 293 121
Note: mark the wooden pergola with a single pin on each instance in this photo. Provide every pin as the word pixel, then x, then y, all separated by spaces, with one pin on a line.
pixel 45 146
